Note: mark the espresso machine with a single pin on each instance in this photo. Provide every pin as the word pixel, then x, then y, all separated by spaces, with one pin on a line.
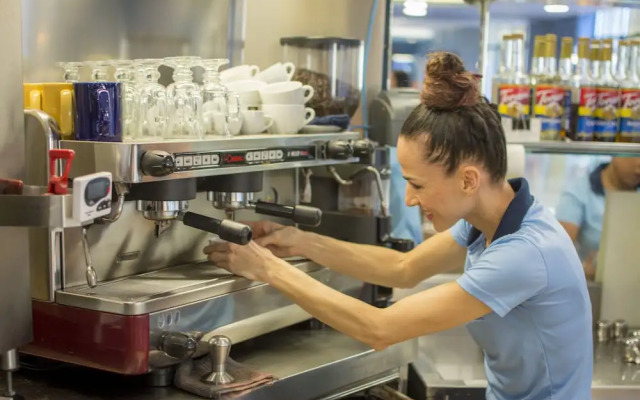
pixel 130 292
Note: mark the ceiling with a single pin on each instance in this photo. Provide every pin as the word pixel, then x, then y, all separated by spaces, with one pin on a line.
pixel 457 9
pixel 594 3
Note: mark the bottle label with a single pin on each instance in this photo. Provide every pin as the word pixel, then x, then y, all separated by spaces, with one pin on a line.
pixel 585 125
pixel 514 101
pixel 630 115
pixel 548 107
pixel 606 114
pixel 566 112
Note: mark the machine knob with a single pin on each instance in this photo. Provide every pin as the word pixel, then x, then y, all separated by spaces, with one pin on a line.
pixel 178 345
pixel 219 347
pixel 363 148
pixel 157 163
pixel 338 150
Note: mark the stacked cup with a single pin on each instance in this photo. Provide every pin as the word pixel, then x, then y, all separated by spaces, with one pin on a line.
pixel 269 100
pixel 254 120
pixel 285 103
pixel 284 100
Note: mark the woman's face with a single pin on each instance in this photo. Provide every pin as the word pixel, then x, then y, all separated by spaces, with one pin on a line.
pixel 441 197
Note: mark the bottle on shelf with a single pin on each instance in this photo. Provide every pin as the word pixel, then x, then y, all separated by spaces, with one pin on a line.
pixel 538 60
pixel 627 76
pixel 565 70
pixel 608 93
pixel 583 96
pixel 514 92
pixel 505 69
pixel 548 92
pixel 594 58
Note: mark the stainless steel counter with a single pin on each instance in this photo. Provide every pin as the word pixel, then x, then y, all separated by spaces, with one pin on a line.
pixel 310 364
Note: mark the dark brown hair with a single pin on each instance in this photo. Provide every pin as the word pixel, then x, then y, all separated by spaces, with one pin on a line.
pixel 458 122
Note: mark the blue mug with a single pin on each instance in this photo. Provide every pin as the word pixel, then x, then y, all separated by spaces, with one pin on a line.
pixel 98 111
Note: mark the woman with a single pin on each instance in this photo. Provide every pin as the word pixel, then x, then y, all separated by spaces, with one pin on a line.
pixel 522 295
pixel 581 206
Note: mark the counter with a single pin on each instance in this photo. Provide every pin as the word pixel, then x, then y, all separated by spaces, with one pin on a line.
pixel 311 364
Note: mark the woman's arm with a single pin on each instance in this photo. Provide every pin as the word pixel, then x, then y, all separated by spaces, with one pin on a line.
pixel 440 308
pixel 383 266
pixel 572 229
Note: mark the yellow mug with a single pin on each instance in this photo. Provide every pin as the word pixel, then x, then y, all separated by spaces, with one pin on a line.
pixel 56 99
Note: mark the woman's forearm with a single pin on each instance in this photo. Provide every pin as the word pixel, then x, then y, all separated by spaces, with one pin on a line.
pixel 373 264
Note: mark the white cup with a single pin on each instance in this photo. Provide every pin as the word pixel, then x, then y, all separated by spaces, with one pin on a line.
pixel 246 85
pixel 248 91
pixel 254 122
pixel 238 73
pixel 288 118
pixel 286 93
pixel 278 72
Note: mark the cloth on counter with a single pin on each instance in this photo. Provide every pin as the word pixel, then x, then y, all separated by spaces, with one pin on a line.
pixel 341 120
pixel 189 375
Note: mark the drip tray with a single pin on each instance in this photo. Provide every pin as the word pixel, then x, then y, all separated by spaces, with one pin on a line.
pixel 162 289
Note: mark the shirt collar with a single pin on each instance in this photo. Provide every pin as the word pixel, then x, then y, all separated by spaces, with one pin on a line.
pixel 595 179
pixel 513 215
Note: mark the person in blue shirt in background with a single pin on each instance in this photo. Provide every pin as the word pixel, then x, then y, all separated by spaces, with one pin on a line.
pixel 406 222
pixel 523 294
pixel 581 206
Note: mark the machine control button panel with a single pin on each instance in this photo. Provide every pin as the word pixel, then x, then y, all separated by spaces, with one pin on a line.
pixel 205 160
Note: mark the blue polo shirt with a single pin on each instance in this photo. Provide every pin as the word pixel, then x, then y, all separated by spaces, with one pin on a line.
pixel 537 341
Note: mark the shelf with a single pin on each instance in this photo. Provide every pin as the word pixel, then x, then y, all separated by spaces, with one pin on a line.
pixel 594 148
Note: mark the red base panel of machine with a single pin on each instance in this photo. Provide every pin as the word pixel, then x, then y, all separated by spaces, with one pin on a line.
pixel 111 342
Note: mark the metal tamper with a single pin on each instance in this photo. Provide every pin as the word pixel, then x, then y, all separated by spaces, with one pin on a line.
pixel 219 347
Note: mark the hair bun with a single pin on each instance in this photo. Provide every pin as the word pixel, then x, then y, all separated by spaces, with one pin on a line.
pixel 447 85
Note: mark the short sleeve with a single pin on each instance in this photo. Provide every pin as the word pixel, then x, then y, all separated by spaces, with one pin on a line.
pixel 506 275
pixel 460 232
pixel 571 207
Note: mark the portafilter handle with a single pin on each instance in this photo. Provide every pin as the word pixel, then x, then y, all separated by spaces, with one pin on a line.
pixel 226 229
pixel 304 215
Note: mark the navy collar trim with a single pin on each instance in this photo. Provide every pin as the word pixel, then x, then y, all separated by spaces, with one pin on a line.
pixel 513 215
pixel 595 179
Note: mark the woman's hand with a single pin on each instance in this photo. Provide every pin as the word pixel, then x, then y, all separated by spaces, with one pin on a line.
pixel 251 261
pixel 283 241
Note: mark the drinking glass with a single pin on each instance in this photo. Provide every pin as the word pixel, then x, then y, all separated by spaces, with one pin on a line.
pixel 217 112
pixel 71 70
pixel 124 73
pixel 99 70
pixel 185 100
pixel 152 108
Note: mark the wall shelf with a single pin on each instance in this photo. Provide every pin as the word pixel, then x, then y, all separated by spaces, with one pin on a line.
pixel 594 148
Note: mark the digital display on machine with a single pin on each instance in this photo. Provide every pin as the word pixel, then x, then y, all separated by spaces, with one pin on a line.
pixel 96 190
pixel 189 161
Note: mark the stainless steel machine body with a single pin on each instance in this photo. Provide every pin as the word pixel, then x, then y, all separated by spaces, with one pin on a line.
pixel 155 287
